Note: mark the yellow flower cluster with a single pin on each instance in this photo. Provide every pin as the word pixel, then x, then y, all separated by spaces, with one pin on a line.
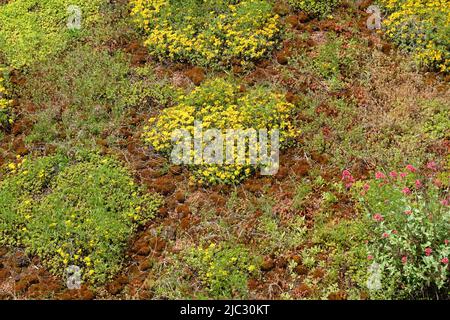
pixel 422 27
pixel 5 103
pixel 209 33
pixel 223 269
pixel 14 166
pixel 219 104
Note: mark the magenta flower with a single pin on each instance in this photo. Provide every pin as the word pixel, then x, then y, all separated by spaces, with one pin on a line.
pixel 428 251
pixel 418 184
pixel 444 260
pixel 404 259
pixel 411 168
pixel 432 165
pixel 366 187
pixel 379 175
pixel 406 191
pixel 403 175
pixel 378 217
pixel 348 179
pixel 393 174
pixel 346 173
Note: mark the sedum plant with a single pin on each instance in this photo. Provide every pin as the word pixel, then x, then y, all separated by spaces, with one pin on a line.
pixel 219 104
pixel 207 32
pixel 5 102
pixel 33 30
pixel 223 269
pixel 421 27
pixel 76 212
pixel 318 8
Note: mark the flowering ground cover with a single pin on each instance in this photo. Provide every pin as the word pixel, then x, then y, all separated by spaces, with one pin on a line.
pixel 33 30
pixel 421 27
pixel 5 102
pixel 358 207
pixel 208 32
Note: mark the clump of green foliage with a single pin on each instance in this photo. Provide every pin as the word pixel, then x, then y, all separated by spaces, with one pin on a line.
pixel 219 271
pixel 279 235
pixel 5 102
pixel 223 270
pixel 437 119
pixel 33 30
pixel 343 243
pixel 410 223
pixel 95 92
pixel 319 8
pixel 78 211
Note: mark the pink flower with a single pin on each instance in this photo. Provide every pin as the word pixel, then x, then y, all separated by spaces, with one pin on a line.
pixel 385 235
pixel 418 184
pixel 406 191
pixel 432 165
pixel 408 212
pixel 444 202
pixel 394 231
pixel 378 217
pixel 444 260
pixel 403 175
pixel 411 168
pixel 369 257
pixel 428 251
pixel 446 242
pixel 404 259
pixel 393 174
pixel 348 179
pixel 366 187
pixel 346 174
pixel 379 175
